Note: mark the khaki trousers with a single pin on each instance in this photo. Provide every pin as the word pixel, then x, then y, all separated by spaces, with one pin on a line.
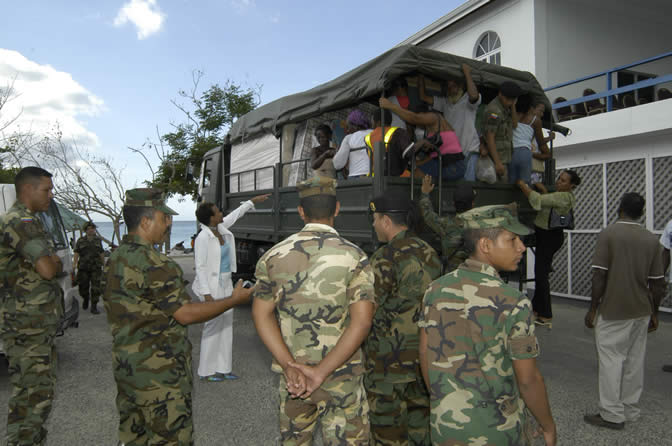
pixel 621 347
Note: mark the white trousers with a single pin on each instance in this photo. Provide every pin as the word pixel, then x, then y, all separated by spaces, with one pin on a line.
pixel 217 342
pixel 621 348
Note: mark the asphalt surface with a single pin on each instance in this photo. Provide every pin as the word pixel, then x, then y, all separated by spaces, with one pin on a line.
pixel 243 412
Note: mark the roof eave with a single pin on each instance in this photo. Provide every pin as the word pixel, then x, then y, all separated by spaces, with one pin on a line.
pixel 453 16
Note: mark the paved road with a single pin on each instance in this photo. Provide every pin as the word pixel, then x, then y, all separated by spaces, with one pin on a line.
pixel 243 412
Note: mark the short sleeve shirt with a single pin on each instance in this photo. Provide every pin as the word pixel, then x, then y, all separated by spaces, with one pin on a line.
pixel 632 257
pixel 476 326
pixel 497 119
pixel 462 117
pixel 25 294
pixel 144 288
pixel 313 277
pixel 403 268
pixel 666 240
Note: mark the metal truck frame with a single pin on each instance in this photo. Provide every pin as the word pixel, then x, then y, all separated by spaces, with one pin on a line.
pixel 278 218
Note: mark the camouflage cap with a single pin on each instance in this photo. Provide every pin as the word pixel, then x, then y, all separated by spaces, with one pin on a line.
pixel 148 197
pixel 317 186
pixel 497 216
pixel 86 225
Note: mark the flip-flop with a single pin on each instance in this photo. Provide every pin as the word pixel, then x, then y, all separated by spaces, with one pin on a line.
pixel 229 376
pixel 213 378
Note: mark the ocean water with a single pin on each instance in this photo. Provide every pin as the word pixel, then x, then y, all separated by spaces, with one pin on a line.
pixel 181 231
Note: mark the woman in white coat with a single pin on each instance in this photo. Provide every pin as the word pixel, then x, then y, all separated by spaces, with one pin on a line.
pixel 215 259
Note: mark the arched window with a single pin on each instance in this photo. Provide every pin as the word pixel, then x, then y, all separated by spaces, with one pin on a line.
pixel 489 48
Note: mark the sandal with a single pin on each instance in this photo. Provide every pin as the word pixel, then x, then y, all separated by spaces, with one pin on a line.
pixel 213 378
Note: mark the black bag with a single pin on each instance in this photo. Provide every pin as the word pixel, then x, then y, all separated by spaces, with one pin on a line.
pixel 559 221
pixel 435 139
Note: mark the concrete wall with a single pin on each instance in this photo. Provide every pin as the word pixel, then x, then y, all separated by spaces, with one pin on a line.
pixel 575 38
pixel 607 127
pixel 512 20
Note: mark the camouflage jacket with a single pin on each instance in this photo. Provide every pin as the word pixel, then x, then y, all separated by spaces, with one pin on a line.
pixel 449 229
pixel 151 350
pixel 498 119
pixel 313 277
pixel 89 251
pixel 476 325
pixel 24 295
pixel 403 270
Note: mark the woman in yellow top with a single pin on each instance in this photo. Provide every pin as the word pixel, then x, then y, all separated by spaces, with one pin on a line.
pixel 549 241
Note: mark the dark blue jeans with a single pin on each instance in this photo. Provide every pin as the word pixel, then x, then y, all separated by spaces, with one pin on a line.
pixel 451 172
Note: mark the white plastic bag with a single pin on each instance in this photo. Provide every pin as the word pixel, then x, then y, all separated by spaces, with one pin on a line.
pixel 485 170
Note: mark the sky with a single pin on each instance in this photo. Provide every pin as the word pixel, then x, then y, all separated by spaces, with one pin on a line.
pixel 106 72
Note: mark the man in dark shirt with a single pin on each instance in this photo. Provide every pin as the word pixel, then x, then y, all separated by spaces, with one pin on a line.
pixel 627 267
pixel 88 260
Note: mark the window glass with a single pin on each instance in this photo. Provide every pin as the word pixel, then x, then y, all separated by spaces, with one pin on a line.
pixel 489 48
pixel 207 172
pixel 54 226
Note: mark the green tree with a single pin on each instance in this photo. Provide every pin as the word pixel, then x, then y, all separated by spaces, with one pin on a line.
pixel 7 174
pixel 209 116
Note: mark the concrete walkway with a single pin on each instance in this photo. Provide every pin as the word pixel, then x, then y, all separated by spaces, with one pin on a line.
pixel 243 412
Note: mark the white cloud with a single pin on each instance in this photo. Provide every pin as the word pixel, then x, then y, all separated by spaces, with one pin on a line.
pixel 275 18
pixel 44 97
pixel 243 5
pixel 144 14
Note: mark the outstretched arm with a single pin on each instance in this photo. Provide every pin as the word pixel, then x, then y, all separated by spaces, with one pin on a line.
pixel 195 312
pixel 422 119
pixel 472 91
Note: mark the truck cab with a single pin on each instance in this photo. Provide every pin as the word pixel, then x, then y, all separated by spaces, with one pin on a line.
pixel 53 224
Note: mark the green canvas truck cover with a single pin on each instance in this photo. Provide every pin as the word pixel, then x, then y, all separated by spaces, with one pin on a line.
pixel 368 80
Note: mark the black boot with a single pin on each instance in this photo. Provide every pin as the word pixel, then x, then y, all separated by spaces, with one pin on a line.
pixel 85 303
pixel 94 308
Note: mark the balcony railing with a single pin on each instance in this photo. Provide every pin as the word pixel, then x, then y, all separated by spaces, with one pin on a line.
pixel 592 100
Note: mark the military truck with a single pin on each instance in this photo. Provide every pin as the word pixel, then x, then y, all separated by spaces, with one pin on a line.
pixel 54 225
pixel 268 150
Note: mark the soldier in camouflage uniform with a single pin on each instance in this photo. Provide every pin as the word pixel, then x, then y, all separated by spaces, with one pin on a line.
pixel 148 310
pixel 498 127
pixel 403 269
pixel 88 260
pixel 477 343
pixel 31 307
pixel 313 306
pixel 447 227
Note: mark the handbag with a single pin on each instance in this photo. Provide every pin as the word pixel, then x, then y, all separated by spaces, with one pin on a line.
pixel 560 221
pixel 435 139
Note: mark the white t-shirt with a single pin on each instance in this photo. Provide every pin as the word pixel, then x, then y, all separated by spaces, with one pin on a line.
pixel 462 116
pixel 396 119
pixel 666 240
pixel 359 160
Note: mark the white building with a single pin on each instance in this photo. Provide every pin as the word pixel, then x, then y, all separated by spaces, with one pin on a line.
pixel 628 149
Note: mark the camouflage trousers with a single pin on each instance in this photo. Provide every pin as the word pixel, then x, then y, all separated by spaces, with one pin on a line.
pixel 32 372
pixel 89 282
pixel 165 421
pixel 340 407
pixel 399 413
